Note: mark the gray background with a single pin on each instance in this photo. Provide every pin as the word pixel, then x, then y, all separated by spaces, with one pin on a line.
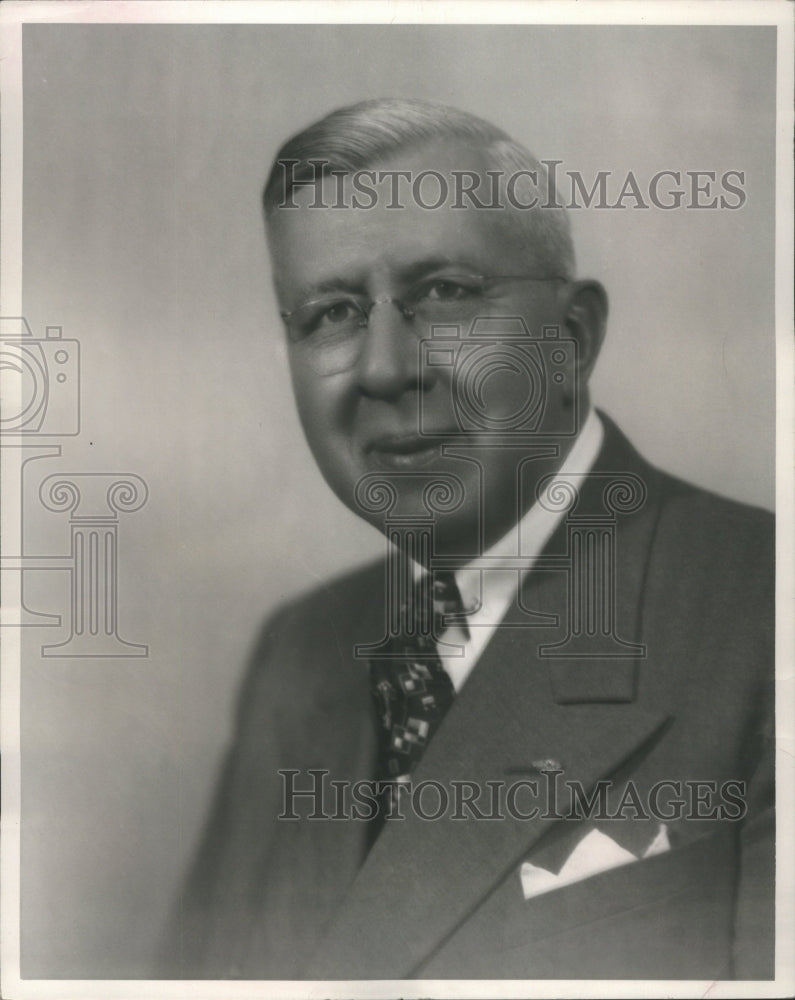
pixel 144 151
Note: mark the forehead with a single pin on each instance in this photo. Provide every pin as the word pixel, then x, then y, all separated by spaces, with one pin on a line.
pixel 326 239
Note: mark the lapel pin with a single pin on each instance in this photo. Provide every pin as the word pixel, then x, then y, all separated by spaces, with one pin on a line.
pixel 547 764
pixel 544 764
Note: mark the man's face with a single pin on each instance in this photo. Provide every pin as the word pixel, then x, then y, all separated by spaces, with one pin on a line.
pixel 370 401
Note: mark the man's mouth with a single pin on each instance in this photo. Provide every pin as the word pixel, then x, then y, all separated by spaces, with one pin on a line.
pixel 406 451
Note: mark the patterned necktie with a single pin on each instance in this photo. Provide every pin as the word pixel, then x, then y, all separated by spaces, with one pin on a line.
pixel 411 689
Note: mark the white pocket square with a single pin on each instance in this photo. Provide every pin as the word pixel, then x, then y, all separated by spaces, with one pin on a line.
pixel 594 854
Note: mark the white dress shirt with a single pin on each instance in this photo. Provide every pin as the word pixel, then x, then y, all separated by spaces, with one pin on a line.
pixel 482 582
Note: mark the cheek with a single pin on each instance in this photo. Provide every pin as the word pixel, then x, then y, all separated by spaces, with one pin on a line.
pixel 311 402
pixel 508 391
pixel 314 394
pixel 321 408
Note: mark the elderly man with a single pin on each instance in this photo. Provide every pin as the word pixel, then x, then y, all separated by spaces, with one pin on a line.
pixel 535 741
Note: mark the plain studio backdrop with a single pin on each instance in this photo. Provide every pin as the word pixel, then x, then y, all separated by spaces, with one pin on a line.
pixel 145 148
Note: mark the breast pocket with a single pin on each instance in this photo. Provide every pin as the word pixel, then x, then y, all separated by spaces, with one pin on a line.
pixel 667 916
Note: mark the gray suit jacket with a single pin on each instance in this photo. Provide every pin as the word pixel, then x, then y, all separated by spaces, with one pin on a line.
pixel 269 898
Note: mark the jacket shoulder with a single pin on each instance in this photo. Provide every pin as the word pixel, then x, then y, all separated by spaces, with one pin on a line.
pixel 307 640
pixel 711 579
pixel 339 601
pixel 730 533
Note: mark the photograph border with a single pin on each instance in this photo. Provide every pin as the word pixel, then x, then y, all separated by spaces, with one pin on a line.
pixel 13 15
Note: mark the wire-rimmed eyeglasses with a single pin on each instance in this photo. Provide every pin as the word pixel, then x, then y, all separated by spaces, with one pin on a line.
pixel 330 327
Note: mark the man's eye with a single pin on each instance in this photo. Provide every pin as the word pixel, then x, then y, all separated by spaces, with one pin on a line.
pixel 448 290
pixel 339 312
pixel 330 317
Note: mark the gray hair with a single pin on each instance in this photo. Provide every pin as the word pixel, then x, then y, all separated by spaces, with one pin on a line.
pixel 355 137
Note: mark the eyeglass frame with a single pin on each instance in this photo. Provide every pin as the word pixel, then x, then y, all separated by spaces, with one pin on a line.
pixel 365 305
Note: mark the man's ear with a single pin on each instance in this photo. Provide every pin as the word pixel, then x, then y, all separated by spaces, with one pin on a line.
pixel 585 316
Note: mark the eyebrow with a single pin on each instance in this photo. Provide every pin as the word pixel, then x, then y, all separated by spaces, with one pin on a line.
pixel 406 275
pixel 420 268
pixel 311 291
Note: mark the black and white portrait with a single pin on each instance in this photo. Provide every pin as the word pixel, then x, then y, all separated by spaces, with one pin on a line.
pixel 389 450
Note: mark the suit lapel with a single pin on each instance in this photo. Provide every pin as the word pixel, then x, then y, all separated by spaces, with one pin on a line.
pixel 526 707
pixel 616 514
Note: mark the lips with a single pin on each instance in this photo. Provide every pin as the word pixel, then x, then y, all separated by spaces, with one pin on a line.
pixel 407 451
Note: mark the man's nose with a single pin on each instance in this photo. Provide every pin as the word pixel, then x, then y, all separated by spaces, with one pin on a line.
pixel 389 361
